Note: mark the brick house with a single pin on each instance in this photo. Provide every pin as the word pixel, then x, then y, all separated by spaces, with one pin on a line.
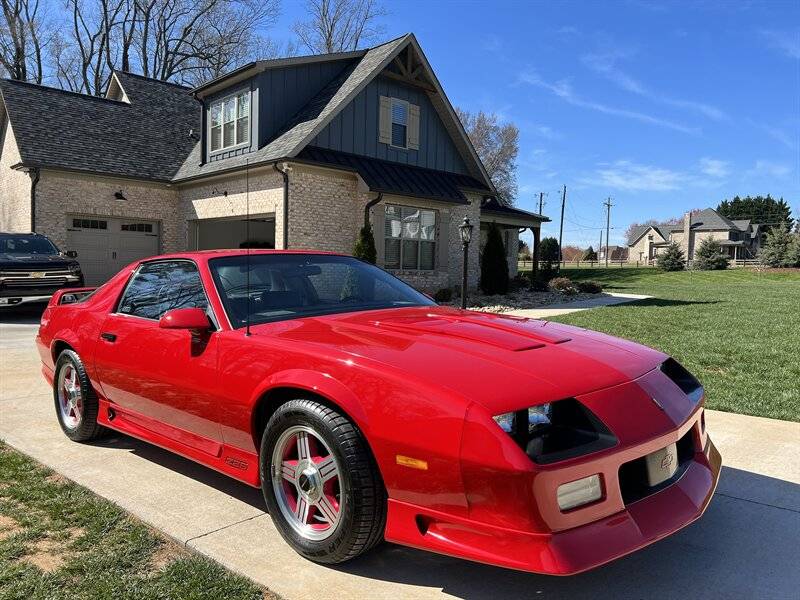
pixel 308 147
pixel 741 239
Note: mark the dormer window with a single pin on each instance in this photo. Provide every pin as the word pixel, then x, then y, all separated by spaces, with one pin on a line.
pixel 229 122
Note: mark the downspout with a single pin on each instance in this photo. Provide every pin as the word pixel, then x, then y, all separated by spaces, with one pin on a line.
pixel 285 173
pixel 369 205
pixel 34 173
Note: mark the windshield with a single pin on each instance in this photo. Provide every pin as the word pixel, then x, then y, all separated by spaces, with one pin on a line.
pixel 26 244
pixel 289 286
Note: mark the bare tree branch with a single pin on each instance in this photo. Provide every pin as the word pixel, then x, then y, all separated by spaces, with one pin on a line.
pixel 340 25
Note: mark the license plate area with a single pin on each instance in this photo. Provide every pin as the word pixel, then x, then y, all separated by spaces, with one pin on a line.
pixel 662 464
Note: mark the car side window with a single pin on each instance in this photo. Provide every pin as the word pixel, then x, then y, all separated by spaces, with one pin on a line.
pixel 161 286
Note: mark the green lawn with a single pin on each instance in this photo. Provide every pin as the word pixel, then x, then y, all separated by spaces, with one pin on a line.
pixel 58 540
pixel 738 331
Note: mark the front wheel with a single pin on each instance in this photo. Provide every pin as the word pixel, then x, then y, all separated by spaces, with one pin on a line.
pixel 75 400
pixel 320 482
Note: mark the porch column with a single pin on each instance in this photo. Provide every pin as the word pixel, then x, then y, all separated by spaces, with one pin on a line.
pixel 535 268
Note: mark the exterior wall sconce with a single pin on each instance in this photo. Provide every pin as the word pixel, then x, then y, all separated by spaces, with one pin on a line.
pixel 119 196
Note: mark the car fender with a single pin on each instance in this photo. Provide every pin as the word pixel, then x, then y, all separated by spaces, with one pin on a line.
pixel 321 384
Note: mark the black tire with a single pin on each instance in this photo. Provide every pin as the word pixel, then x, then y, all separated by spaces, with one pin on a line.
pixel 363 518
pixel 87 427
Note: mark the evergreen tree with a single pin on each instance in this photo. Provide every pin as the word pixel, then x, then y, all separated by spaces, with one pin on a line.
pixel 759 209
pixel 710 256
pixel 548 250
pixel 494 264
pixel 590 254
pixel 779 248
pixel 671 259
pixel 365 245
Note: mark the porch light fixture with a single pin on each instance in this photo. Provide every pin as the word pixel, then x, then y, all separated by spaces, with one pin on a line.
pixel 466 236
pixel 119 196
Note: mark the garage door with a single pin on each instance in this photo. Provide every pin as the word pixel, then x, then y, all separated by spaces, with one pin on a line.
pixel 105 245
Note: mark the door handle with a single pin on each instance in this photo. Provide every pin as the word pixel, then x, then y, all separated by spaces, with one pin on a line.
pixel 109 337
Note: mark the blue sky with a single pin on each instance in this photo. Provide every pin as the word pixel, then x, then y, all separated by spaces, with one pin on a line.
pixel 663 106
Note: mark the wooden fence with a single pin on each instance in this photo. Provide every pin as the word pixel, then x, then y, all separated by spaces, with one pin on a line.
pixel 527 265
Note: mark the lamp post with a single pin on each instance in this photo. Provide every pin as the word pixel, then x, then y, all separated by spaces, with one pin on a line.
pixel 466 235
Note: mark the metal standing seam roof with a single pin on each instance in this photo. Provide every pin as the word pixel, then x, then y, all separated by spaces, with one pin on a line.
pixel 395 178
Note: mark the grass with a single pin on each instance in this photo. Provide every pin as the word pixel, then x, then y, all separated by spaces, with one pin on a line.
pixel 738 331
pixel 58 540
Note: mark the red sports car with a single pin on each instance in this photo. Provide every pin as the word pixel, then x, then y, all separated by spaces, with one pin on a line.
pixel 365 412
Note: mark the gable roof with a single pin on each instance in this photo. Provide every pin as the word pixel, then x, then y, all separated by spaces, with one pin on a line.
pixel 395 178
pixel 146 138
pixel 661 229
pixel 707 219
pixel 334 97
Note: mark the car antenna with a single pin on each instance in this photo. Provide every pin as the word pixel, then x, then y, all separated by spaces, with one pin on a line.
pixel 247 238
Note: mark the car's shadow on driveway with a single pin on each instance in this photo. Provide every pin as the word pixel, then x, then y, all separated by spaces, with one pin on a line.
pixel 26 314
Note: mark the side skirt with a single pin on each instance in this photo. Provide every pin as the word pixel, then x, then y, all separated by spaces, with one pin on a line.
pixel 230 461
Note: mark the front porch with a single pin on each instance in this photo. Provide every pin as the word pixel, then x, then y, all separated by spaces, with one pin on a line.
pixel 512 222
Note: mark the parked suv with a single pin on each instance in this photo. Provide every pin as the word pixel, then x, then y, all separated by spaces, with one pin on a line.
pixel 32 268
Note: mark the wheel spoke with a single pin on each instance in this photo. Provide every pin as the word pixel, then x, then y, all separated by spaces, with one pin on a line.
pixel 329 512
pixel 288 472
pixel 327 468
pixel 303 446
pixel 301 510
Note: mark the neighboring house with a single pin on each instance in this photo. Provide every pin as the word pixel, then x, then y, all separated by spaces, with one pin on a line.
pixel 615 253
pixel 741 239
pixel 308 147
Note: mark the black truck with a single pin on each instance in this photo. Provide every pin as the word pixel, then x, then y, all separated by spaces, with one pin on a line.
pixel 32 268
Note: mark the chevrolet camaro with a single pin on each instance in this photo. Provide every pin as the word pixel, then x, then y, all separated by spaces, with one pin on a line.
pixel 364 411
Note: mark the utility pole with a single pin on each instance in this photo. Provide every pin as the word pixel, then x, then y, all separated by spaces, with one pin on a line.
pixel 561 230
pixel 541 202
pixel 608 206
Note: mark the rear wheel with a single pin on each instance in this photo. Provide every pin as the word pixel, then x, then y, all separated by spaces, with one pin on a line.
pixel 75 400
pixel 320 482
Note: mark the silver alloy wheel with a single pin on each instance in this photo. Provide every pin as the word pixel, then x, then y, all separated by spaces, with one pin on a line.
pixel 70 398
pixel 307 483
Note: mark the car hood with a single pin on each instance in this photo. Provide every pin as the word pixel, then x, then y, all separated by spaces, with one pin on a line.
pixel 35 261
pixel 501 362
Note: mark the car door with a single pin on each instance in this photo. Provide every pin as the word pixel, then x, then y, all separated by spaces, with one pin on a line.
pixel 161 379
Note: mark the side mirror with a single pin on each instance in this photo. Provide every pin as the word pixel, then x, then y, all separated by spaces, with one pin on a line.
pixel 185 318
pixel 71 254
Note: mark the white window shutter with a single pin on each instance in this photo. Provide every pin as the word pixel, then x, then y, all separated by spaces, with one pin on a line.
pixel 413 127
pixel 385 120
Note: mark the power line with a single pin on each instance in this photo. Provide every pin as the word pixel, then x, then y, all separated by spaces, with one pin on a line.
pixel 608 206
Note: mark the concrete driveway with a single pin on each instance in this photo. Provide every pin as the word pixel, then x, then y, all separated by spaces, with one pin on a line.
pixel 746 545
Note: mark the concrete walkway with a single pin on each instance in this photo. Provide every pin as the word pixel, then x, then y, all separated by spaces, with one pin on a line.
pixel 563 308
pixel 745 545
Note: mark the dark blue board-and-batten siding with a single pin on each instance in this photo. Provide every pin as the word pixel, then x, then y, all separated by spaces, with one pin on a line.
pixel 355 130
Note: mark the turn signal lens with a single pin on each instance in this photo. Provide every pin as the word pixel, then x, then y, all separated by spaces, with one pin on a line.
pixel 580 492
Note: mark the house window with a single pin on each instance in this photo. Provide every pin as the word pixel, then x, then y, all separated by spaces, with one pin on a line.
pixel 143 227
pixel 89 224
pixel 399 123
pixel 229 122
pixel 409 238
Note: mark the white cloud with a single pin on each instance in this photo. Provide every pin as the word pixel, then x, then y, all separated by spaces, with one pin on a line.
pixel 630 176
pixel 770 169
pixel 784 42
pixel 714 167
pixel 605 64
pixel 563 89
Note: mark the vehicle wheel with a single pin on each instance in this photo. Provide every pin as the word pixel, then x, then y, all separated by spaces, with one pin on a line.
pixel 76 402
pixel 320 482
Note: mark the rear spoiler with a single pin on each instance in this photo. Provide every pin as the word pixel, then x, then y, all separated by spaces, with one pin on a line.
pixel 70 295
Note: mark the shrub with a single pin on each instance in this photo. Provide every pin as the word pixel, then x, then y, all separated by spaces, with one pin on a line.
pixel 548 250
pixel 443 295
pixel 494 264
pixel 672 259
pixel 562 285
pixel 590 287
pixel 365 245
pixel 710 256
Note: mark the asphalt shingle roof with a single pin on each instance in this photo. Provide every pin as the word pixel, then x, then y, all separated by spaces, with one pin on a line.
pixel 491 205
pixel 148 138
pixel 396 178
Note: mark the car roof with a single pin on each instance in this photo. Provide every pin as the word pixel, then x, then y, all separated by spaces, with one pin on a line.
pixel 209 254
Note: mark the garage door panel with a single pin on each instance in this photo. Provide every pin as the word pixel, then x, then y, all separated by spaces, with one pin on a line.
pixel 105 245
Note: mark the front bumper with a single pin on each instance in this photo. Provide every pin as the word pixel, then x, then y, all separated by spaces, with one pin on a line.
pixel 11 301
pixel 23 292
pixel 573 549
